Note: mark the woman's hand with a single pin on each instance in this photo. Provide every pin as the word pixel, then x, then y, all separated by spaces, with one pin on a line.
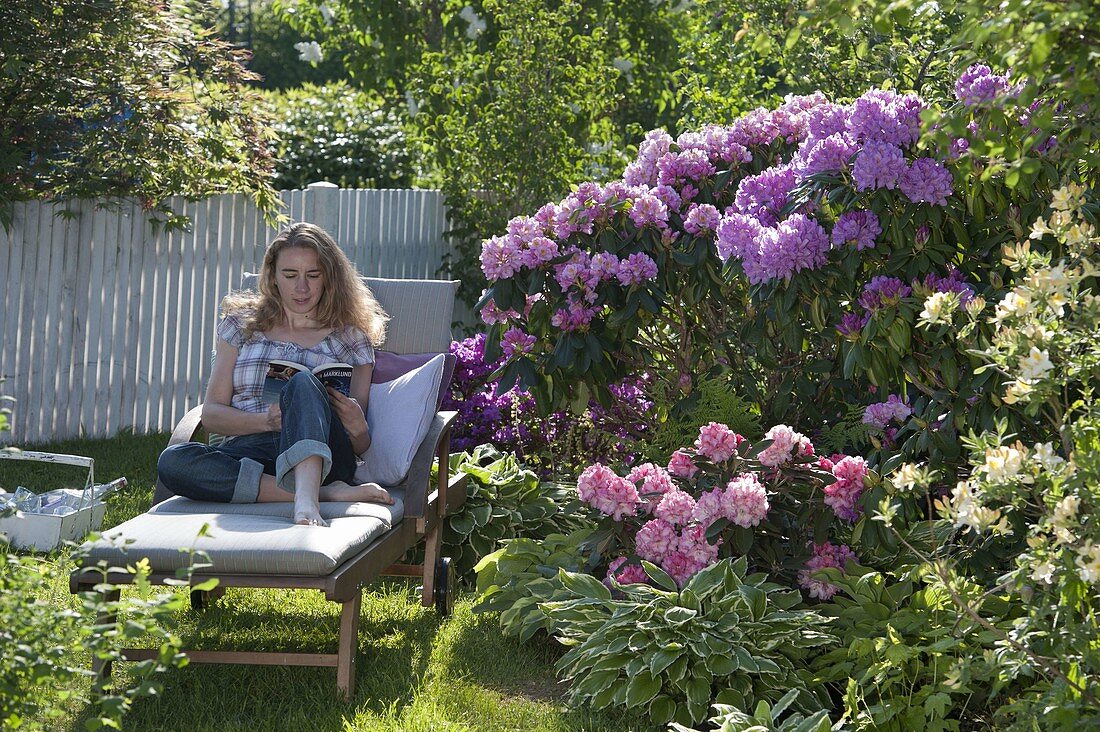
pixel 351 415
pixel 274 418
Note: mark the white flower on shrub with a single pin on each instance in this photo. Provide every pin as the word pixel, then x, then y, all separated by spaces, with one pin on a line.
pixel 1065 511
pixel 1016 303
pixel 1048 460
pixel 969 511
pixel 907 477
pixel 939 307
pixel 1088 561
pixel 1044 572
pixel 975 306
pixel 309 51
pixel 1004 463
pixel 1017 390
pixel 1035 365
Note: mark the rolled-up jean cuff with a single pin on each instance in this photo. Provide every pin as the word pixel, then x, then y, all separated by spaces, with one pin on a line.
pixel 247 488
pixel 299 451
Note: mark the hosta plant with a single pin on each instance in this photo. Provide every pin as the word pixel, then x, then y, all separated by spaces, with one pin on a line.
pixel 516 578
pixel 725 637
pixel 766 718
pixel 504 500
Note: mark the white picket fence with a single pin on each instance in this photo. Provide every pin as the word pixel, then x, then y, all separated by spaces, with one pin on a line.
pixel 107 321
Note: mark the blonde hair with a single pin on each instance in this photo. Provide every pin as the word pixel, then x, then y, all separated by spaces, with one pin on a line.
pixel 345 300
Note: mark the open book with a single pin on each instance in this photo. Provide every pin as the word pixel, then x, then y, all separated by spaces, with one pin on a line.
pixel 336 375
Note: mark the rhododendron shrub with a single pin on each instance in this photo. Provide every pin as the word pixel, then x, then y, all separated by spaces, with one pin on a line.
pixel 795 252
pixel 772 500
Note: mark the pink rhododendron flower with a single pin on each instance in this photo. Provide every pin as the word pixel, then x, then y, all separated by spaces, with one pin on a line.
pixel 676 507
pixel 681 465
pixel 680 566
pixel 717 442
pixel 630 574
pixel 599 487
pixel 710 506
pixel 694 545
pixel 843 495
pixel 745 502
pixel 825 555
pixel 500 258
pixel 655 539
pixel 636 268
pixel 653 483
pixel 786 443
pixel 491 314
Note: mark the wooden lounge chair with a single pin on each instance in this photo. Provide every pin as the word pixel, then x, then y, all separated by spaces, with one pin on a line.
pixel 258 545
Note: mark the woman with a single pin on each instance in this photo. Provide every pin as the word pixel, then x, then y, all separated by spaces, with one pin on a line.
pixel 311 308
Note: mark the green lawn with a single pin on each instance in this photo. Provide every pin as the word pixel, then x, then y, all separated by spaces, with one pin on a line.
pixel 415 671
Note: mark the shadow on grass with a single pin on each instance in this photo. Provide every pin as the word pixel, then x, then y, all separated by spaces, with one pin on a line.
pixel 395 645
pixel 476 650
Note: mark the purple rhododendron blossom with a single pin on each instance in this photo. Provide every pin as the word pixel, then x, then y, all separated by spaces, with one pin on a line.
pixel 857 227
pixel 851 324
pixel 881 414
pixel 926 180
pixel 883 291
pixel 878 165
pixel 979 85
pixel 737 235
pixel 635 269
pixel 954 282
pixel 830 154
pixel 700 218
pixel 515 340
pixel 763 195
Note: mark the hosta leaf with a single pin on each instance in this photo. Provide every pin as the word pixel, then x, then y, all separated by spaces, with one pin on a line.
pixel 756 599
pixel 662 659
pixel 661 709
pixel 721 665
pixel 604 697
pixel 679 615
pixel 745 659
pixel 585 585
pixel 641 689
pixel 698 692
pixel 659 576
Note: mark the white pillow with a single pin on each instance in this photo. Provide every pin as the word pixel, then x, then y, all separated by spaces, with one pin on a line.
pixel 399 414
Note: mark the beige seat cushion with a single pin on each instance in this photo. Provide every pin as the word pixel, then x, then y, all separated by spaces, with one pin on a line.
pixel 257 538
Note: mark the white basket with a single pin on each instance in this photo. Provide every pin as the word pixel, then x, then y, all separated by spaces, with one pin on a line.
pixel 44 532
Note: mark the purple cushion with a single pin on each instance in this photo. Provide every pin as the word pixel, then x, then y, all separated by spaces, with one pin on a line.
pixel 388 366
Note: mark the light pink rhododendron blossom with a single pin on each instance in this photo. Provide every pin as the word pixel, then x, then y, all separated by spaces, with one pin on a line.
pixel 717 442
pixel 682 466
pixel 786 443
pixel 599 487
pixel 825 555
pixel 655 539
pixel 843 495
pixel 710 506
pixel 745 502
pixel 676 507
pixel 652 481
pixel 630 574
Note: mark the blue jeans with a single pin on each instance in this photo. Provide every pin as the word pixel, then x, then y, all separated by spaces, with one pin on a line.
pixel 230 472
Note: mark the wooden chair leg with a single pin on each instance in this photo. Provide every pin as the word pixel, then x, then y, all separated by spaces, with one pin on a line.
pixel 431 560
pixel 348 645
pixel 101 667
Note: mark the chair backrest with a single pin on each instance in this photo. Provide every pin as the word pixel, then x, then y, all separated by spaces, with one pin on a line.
pixel 420 312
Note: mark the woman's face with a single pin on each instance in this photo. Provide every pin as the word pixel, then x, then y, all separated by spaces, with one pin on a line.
pixel 300 280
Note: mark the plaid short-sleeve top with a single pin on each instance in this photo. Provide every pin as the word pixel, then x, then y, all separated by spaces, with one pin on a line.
pixel 348 345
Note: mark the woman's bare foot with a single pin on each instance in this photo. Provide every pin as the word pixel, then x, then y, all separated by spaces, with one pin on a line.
pixel 307 511
pixel 338 490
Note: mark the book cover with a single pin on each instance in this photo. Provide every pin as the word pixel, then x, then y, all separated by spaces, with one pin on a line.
pixel 335 375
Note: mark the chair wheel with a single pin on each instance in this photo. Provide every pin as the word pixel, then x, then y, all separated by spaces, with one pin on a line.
pixel 444 587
